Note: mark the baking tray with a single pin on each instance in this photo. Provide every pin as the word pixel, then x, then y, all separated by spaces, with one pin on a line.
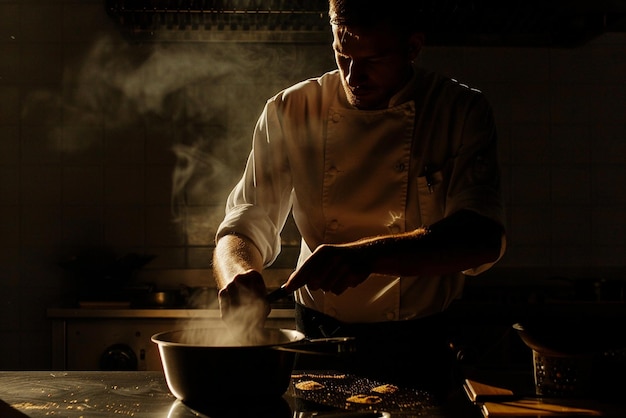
pixel 337 390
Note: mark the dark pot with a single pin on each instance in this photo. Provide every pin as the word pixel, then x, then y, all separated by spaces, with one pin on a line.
pixel 572 336
pixel 208 364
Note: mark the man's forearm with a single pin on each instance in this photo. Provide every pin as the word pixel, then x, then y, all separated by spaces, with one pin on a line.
pixel 234 254
pixel 463 241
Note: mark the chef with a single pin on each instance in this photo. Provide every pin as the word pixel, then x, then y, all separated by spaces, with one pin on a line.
pixel 391 174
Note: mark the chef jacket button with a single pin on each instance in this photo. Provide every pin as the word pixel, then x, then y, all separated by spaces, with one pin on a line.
pixel 336 117
pixel 333 225
pixel 399 166
pixel 394 228
pixel 390 316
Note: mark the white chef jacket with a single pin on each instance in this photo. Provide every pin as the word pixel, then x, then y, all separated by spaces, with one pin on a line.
pixel 348 174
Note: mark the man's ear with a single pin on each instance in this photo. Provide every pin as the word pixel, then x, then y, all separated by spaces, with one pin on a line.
pixel 416 42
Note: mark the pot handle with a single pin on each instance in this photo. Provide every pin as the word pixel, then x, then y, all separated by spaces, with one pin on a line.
pixel 277 294
pixel 333 346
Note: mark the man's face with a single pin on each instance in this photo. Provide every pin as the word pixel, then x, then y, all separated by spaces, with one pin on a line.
pixel 374 64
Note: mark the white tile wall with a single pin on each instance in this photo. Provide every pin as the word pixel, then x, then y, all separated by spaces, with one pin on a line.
pixel 88 124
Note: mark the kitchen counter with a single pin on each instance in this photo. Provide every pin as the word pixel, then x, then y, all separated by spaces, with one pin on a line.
pixel 145 394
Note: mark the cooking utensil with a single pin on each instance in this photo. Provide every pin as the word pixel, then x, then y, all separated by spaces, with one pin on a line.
pixel 207 364
pixel 277 294
pixel 337 390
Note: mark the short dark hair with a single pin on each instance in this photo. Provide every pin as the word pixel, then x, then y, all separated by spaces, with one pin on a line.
pixel 405 16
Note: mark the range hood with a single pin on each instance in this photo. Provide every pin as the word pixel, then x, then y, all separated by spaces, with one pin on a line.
pixel 455 23
pixel 222 20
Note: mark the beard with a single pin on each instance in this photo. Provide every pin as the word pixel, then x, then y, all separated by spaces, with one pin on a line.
pixel 364 98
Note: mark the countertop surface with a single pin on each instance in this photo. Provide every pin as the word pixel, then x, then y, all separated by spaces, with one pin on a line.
pixel 145 394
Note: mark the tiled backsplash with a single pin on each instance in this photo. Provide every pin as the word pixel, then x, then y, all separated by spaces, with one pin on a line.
pixel 123 147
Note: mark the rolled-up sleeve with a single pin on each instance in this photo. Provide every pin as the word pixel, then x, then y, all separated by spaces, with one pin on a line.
pixel 475 183
pixel 259 204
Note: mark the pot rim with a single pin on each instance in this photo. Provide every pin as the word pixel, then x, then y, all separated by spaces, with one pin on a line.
pixel 161 338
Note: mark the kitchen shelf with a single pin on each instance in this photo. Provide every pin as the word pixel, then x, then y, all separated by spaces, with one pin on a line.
pixel 151 313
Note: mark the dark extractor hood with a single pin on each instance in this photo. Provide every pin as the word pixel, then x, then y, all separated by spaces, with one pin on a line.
pixel 536 23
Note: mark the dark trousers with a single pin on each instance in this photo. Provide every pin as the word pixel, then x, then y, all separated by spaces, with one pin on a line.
pixel 413 353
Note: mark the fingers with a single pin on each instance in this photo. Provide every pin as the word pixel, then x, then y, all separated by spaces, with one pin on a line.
pixel 349 280
pixel 331 269
pixel 340 280
pixel 309 273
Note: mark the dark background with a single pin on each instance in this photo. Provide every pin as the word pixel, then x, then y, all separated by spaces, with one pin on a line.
pixel 110 147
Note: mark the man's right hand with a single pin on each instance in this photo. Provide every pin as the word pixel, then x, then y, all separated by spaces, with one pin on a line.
pixel 332 268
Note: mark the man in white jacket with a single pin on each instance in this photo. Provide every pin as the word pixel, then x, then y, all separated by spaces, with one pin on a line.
pixel 392 177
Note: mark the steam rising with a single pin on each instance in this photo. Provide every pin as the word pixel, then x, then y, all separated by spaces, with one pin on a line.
pixel 208 94
pixel 244 327
pixel 205 96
